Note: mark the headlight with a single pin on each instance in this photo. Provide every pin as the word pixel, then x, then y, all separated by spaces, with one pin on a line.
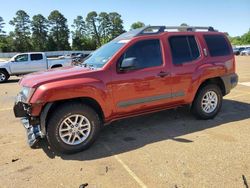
pixel 26 93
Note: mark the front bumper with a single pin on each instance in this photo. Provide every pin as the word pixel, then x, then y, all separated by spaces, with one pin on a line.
pixel 31 124
pixel 33 132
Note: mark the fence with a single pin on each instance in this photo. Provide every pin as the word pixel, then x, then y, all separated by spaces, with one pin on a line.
pixel 48 54
pixel 245 46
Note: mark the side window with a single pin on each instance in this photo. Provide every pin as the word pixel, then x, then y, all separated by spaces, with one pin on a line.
pixel 36 57
pixel 21 58
pixel 217 45
pixel 147 53
pixel 184 49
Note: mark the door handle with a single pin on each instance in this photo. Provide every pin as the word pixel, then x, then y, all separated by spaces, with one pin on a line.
pixel 163 74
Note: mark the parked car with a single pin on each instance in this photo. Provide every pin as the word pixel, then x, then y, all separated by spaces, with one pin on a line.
pixel 139 72
pixel 241 49
pixel 78 57
pixel 245 52
pixel 25 63
pixel 237 51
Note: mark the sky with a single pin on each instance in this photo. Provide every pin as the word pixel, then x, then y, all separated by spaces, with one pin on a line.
pixel 232 16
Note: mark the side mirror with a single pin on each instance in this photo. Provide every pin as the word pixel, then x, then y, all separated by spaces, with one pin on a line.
pixel 128 64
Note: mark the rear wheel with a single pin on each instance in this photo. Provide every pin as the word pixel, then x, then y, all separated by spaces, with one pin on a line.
pixel 73 127
pixel 4 76
pixel 208 102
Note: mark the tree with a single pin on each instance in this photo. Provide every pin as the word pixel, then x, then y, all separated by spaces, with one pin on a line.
pixel 2 37
pixel 7 43
pixel 79 26
pixel 240 40
pixel 22 31
pixel 79 33
pixel 59 31
pixel 184 24
pixel 83 36
pixel 39 26
pixel 88 44
pixel 51 44
pixel 2 32
pixel 246 38
pixel 104 27
pixel 91 21
pixel 137 25
pixel 116 24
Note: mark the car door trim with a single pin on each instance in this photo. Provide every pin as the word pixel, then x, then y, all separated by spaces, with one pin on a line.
pixel 132 102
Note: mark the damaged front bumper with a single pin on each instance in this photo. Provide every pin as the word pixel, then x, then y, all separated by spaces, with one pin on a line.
pixel 33 131
pixel 31 124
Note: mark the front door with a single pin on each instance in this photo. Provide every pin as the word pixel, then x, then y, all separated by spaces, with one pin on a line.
pixel 145 86
pixel 20 64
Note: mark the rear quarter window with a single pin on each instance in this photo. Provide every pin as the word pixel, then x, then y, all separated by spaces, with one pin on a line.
pixel 36 57
pixel 217 45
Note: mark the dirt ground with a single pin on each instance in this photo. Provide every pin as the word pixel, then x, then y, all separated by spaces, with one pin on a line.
pixel 4 59
pixel 166 149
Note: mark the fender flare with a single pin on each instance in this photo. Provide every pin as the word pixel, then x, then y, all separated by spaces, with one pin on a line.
pixel 43 118
pixel 5 69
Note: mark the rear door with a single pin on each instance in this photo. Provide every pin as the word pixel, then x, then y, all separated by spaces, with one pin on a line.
pixel 37 62
pixel 186 56
pixel 148 85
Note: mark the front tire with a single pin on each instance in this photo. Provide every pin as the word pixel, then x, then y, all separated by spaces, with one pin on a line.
pixel 4 76
pixel 73 127
pixel 207 102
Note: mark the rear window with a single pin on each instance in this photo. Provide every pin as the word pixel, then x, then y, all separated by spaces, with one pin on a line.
pixel 36 57
pixel 184 49
pixel 217 45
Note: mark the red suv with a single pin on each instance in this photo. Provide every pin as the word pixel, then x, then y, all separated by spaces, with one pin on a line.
pixel 141 71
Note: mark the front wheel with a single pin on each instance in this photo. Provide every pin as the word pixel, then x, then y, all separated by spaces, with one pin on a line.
pixel 208 102
pixel 73 127
pixel 4 76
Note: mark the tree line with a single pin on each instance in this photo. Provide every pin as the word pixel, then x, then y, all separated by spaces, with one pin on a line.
pixel 240 40
pixel 52 33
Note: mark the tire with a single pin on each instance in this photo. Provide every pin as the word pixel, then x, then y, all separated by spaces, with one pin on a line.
pixel 203 111
pixel 59 121
pixel 4 76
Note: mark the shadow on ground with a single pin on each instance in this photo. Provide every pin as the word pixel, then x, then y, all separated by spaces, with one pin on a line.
pixel 11 81
pixel 131 134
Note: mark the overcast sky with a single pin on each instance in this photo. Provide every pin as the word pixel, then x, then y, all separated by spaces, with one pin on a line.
pixel 232 16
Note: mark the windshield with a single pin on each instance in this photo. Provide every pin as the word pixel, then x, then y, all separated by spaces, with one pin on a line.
pixel 102 55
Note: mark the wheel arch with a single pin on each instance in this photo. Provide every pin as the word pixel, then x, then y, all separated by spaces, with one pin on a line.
pixel 56 66
pixel 215 80
pixel 5 70
pixel 50 107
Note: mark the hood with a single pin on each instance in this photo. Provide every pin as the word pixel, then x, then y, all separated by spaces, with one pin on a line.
pixel 35 79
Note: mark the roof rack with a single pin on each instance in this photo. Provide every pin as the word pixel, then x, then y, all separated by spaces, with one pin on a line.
pixel 152 30
pixel 190 28
pixel 148 30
